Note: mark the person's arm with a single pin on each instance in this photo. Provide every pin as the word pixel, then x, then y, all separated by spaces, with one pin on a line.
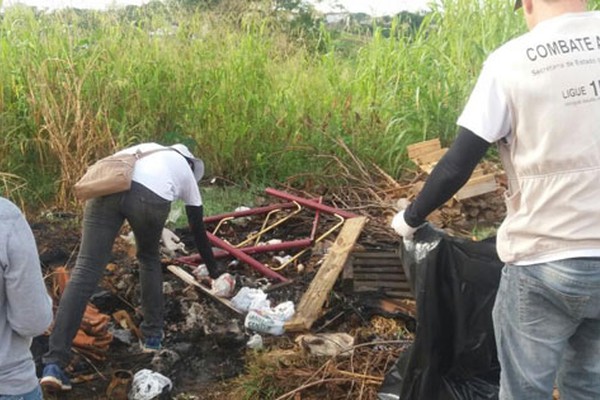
pixel 29 307
pixel 195 215
pixel 448 176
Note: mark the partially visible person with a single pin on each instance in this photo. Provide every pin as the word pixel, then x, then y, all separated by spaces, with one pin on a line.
pixel 159 178
pixel 25 306
pixel 538 97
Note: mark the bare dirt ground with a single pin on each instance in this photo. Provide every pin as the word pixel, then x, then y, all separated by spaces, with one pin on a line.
pixel 207 355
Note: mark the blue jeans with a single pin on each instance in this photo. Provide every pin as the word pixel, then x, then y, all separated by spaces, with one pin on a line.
pixel 103 217
pixel 547 327
pixel 35 394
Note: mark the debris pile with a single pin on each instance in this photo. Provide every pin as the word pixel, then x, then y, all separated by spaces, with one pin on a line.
pixel 316 297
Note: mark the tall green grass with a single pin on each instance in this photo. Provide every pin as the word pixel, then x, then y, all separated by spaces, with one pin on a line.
pixel 255 103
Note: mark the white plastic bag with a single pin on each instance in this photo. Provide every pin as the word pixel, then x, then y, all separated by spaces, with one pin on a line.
pixel 262 321
pixel 200 272
pixel 248 299
pixel 148 384
pixel 223 286
pixel 270 320
pixel 255 342
pixel 171 243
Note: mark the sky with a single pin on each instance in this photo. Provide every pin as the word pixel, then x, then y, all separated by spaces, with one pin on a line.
pixel 373 7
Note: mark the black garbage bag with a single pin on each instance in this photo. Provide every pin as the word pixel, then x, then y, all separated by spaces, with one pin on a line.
pixel 454 354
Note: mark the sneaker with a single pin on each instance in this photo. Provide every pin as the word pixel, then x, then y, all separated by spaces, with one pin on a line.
pixel 54 379
pixel 151 344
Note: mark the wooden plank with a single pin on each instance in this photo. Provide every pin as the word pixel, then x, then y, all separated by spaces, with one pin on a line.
pixel 357 270
pixel 189 279
pixel 415 150
pixel 382 262
pixel 369 255
pixel 431 158
pixel 382 284
pixel 373 275
pixel 310 306
pixel 476 186
pixel 427 154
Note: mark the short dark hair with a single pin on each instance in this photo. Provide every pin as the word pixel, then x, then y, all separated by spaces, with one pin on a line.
pixel 518 4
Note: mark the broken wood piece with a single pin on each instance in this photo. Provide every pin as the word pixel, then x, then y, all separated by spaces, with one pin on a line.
pixel 189 279
pixel 312 301
pixel 476 186
pixel 427 154
pixel 428 161
pixel 416 150
pixel 126 322
pixel 394 306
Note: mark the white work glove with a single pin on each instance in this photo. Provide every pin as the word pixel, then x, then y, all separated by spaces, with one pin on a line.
pixel 401 227
pixel 171 243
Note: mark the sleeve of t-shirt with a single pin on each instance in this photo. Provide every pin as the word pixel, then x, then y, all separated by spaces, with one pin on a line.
pixel 189 192
pixel 486 113
pixel 29 307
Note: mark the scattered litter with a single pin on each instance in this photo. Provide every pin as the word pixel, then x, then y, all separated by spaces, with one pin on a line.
pixel 129 238
pixel 327 344
pixel 171 244
pixel 223 286
pixel 164 360
pixel 282 259
pixel 200 272
pixel 255 342
pixel 241 221
pixel 122 336
pixel 148 384
pixel 270 321
pixel 167 288
pixel 120 385
pixel 248 299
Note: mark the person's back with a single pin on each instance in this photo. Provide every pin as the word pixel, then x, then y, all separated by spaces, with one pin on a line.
pixel 549 81
pixel 538 97
pixel 25 307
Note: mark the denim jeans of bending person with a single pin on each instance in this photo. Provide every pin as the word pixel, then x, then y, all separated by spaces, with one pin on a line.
pixel 103 217
pixel 547 326
pixel 35 394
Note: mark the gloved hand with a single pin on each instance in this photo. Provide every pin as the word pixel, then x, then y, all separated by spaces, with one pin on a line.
pixel 401 227
pixel 172 243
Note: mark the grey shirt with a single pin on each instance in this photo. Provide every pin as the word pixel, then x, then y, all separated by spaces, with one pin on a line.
pixel 25 306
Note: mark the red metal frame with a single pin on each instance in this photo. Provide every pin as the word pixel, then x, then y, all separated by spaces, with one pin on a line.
pixel 242 254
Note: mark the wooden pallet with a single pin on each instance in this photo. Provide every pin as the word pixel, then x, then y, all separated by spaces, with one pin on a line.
pixel 382 272
pixel 426 155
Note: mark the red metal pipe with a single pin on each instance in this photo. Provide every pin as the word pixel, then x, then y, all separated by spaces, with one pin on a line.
pixel 240 255
pixel 197 258
pixel 310 203
pixel 252 211
pixel 313 232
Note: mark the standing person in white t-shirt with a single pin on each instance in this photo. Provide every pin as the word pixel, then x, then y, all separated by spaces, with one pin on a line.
pixel 538 98
pixel 158 179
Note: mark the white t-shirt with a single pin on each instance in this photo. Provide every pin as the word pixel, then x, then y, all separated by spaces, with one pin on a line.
pixel 487 114
pixel 166 173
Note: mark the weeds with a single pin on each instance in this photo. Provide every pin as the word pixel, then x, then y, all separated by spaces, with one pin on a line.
pixel 258 103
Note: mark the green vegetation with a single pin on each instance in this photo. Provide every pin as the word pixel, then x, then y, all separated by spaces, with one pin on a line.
pixel 254 95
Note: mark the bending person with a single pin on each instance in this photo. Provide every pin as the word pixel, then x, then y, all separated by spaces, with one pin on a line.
pixel 158 179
